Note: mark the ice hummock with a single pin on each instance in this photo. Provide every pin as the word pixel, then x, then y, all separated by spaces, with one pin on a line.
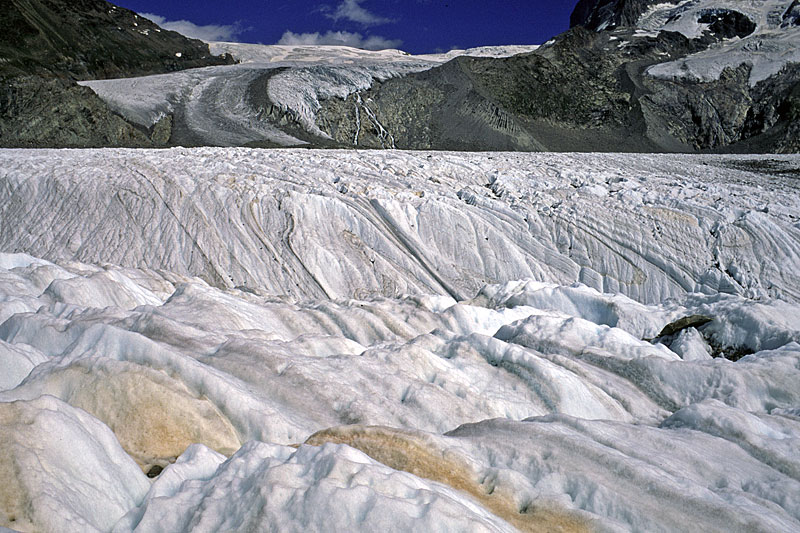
pixel 220 367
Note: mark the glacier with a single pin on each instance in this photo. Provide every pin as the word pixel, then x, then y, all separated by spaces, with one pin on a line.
pixel 218 339
pixel 341 224
pixel 225 106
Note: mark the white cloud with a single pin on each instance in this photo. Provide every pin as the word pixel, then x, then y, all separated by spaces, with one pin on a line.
pixel 351 10
pixel 212 32
pixel 340 38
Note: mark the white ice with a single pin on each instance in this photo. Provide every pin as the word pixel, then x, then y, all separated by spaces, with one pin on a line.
pixel 348 224
pixel 479 322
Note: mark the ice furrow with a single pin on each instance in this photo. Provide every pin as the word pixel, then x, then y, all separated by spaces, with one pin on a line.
pixel 414 250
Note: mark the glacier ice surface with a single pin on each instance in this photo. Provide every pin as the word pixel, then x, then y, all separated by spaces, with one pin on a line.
pixel 458 341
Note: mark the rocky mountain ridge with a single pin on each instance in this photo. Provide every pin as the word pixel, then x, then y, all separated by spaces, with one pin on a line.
pixel 45 45
pixel 614 82
pixel 607 14
pixel 631 75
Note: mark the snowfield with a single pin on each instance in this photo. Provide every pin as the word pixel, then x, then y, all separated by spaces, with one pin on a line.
pixel 412 341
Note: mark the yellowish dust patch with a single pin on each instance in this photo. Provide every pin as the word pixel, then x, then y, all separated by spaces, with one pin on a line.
pixel 672 216
pixel 411 452
pixel 154 416
pixel 16 511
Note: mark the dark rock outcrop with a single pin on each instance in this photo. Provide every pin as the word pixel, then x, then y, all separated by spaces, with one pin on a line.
pixel 587 92
pixel 38 112
pixel 571 96
pixel 726 23
pixel 45 45
pixel 91 39
pixel 692 321
pixel 792 15
pixel 610 14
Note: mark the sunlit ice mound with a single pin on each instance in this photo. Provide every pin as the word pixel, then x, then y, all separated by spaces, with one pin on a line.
pixel 516 409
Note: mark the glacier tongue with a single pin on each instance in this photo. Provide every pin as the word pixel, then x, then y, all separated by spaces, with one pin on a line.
pixel 225 106
pixel 228 105
pixel 413 340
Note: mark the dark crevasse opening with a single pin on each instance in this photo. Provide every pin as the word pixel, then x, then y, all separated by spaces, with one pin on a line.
pixel 726 23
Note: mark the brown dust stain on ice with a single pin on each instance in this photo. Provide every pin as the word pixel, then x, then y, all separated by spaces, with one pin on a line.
pixel 16 509
pixel 409 452
pixel 154 416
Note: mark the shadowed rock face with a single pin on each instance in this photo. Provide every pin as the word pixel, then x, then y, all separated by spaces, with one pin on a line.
pixel 726 23
pixel 567 97
pixel 36 111
pixel 605 14
pixel 88 39
pixel 587 92
pixel 727 114
pixel 45 44
pixel 792 15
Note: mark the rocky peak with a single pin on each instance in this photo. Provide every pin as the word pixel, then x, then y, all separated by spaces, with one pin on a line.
pixel 727 23
pixel 792 15
pixel 86 39
pixel 607 14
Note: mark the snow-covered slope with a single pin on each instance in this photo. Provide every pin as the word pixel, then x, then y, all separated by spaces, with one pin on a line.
pixel 341 55
pixel 362 341
pixel 774 42
pixel 312 54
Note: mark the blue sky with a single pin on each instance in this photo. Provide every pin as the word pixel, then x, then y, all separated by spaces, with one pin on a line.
pixel 417 26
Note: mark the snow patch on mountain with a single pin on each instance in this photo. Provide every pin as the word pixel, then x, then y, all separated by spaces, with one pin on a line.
pixel 772 45
pixel 343 55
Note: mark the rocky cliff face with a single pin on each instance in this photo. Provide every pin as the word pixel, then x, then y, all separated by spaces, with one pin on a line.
pixel 583 93
pixel 90 39
pixel 568 97
pixel 38 112
pixel 594 88
pixel 608 14
pixel 47 44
